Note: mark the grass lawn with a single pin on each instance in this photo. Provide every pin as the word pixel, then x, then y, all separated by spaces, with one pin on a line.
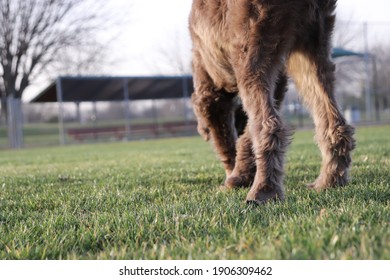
pixel 160 200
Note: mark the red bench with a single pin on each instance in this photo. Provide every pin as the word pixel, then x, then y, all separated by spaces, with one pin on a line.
pixel 140 130
pixel 82 133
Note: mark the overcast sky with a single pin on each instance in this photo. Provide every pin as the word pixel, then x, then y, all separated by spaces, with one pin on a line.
pixel 364 10
pixel 155 24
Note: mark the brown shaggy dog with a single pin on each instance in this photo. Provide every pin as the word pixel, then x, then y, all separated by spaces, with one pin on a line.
pixel 243 51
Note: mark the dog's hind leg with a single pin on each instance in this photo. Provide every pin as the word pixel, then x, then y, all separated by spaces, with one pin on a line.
pixel 313 75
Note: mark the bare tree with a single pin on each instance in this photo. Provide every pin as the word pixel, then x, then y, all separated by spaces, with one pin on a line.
pixel 175 54
pixel 349 69
pixel 38 37
pixel 347 32
pixel 381 82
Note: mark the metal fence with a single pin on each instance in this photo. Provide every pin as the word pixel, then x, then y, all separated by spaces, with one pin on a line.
pixel 91 122
pixel 107 122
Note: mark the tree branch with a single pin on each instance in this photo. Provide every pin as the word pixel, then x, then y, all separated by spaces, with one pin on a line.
pixel 35 34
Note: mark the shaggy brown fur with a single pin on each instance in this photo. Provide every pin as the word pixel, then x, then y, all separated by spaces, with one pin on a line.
pixel 242 52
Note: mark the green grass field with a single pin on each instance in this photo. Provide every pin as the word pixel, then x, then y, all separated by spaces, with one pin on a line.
pixel 160 200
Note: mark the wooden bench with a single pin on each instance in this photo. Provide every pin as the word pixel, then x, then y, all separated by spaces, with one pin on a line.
pixel 151 130
pixel 175 128
pixel 81 133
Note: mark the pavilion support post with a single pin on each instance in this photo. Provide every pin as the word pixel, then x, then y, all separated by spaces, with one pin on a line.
pixel 78 112
pixel 95 120
pixel 186 95
pixel 126 97
pixel 60 100
pixel 155 118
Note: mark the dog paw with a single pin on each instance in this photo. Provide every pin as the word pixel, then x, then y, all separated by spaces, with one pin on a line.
pixel 264 195
pixel 235 182
pixel 322 182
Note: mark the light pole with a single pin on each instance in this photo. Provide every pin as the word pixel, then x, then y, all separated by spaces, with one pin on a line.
pixel 367 88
